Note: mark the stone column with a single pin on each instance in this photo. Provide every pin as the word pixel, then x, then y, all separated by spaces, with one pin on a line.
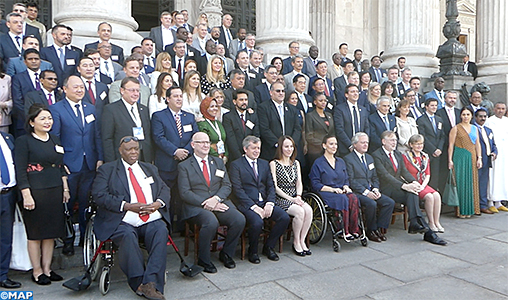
pixel 213 10
pixel 85 16
pixel 412 28
pixel 492 46
pixel 280 22
pixel 322 21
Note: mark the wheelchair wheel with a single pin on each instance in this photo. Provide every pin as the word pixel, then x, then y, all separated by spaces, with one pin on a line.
pixel 104 281
pixel 90 247
pixel 319 222
pixel 336 245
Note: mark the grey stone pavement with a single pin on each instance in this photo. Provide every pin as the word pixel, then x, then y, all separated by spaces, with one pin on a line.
pixel 474 265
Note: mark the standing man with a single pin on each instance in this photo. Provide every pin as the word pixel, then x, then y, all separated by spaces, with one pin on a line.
pixel 31 19
pixel 104 30
pixel 108 67
pixel 125 118
pixel 321 72
pixel 75 123
pixel 237 78
pixel 364 182
pixel 404 84
pixel 277 118
pixel 186 25
pixel 148 55
pixel 438 92
pixel 204 187
pixel 470 67
pixel 414 110
pixel 376 72
pixel 20 8
pixel 336 70
pixel 262 91
pixel 401 63
pixel 10 42
pixel 297 68
pixel 131 69
pixel 255 197
pixel 358 60
pixel 287 67
pixel 414 83
pixel 311 61
pixel 237 44
pixel 380 121
pixel 133 203
pixel 304 100
pixel 96 92
pixel 17 65
pixel 227 34
pixel 343 49
pixel 242 61
pixel 475 101
pixel 47 95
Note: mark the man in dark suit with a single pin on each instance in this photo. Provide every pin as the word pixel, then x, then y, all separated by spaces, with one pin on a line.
pixel 397 183
pixel 294 48
pixel 430 126
pixel 300 87
pixel 340 82
pixel 172 131
pixel 186 25
pixel 47 95
pixel 488 155
pixel 475 101
pixel 414 110
pixel 404 85
pixel 126 117
pixel 470 66
pixel 364 182
pixel 376 72
pixel 238 123
pixel 148 55
pixel 7 206
pixel 163 35
pixel 262 91
pixel 349 118
pixel 255 195
pixel 104 31
pixel 64 61
pixel 179 59
pixel 10 42
pixel 227 34
pixel 204 187
pixel 133 203
pixel 17 65
pixel 277 118
pixel 237 78
pixel 74 122
pixel 21 9
pixel 321 71
pixel 414 83
pixel 190 52
pixel 96 92
pixel 380 121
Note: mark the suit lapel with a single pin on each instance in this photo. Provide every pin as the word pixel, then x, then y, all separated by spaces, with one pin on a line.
pixel 120 173
pixel 250 170
pixel 72 115
pixel 152 186
pixel 197 169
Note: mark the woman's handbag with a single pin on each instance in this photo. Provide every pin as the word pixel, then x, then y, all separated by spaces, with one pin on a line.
pixel 19 259
pixel 69 227
pixel 450 196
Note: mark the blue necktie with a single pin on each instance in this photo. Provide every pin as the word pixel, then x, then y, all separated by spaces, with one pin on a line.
pixel 62 58
pixel 433 123
pixel 80 119
pixel 387 124
pixel 364 163
pixel 4 170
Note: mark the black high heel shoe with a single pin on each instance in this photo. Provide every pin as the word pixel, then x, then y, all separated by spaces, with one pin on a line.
pixel 307 252
pixel 302 253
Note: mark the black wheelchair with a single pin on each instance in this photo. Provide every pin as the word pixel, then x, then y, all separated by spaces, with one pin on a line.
pixel 324 216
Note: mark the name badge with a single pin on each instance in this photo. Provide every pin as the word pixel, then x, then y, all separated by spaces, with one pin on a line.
pixel 59 149
pixel 395 129
pixel 309 104
pixel 371 166
pixel 221 148
pixel 103 95
pixel 219 173
pixel 329 106
pixel 190 54
pixel 138 132
pixel 252 75
pixel 187 128
pixel 491 136
pixel 114 57
pixel 149 180
pixel 90 118
pixel 439 125
pixel 70 61
pixel 333 88
pixel 249 124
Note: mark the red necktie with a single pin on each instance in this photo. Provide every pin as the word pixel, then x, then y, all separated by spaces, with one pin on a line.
pixel 393 162
pixel 243 121
pixel 205 172
pixel 90 92
pixel 139 193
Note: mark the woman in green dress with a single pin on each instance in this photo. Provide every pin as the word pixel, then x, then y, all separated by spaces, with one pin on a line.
pixel 465 158
pixel 213 128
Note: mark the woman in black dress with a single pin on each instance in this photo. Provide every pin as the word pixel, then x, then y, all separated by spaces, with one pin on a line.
pixel 43 184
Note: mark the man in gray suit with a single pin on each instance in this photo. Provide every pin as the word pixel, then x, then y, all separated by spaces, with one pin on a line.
pixel 204 187
pixel 163 35
pixel 131 69
pixel 311 61
pixel 237 44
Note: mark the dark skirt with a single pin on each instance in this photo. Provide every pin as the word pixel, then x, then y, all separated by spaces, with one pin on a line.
pixel 47 220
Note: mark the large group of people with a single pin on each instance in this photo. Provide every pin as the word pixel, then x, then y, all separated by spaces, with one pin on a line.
pixel 193 126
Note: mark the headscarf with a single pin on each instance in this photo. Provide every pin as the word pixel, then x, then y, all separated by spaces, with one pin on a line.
pixel 203 107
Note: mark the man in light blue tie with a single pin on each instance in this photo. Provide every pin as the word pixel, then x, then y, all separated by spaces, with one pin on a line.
pixel 380 121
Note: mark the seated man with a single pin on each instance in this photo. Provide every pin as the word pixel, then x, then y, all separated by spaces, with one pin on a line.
pixel 204 187
pixel 131 199
pixel 364 182
pixel 255 195
pixel 397 183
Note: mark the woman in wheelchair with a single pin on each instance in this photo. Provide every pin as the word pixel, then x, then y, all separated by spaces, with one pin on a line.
pixel 330 180
pixel 287 179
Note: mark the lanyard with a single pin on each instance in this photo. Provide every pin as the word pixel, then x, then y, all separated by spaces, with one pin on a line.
pixel 216 129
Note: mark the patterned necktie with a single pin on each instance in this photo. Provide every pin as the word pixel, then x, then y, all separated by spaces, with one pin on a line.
pixel 243 121
pixel 139 193
pixel 17 41
pixel 205 172
pixel 178 125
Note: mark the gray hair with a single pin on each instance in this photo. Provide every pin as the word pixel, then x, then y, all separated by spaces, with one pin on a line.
pixel 382 99
pixel 250 139
pixel 293 59
pixel 356 138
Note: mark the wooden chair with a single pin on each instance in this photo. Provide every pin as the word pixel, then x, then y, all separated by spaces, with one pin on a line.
pixel 400 209
pixel 193 235
pixel 267 226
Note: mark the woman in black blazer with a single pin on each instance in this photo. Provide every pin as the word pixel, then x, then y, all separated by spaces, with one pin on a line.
pixel 319 123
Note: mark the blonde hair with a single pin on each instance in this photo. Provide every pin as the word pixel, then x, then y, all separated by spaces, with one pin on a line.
pixel 209 73
pixel 158 63
pixel 186 85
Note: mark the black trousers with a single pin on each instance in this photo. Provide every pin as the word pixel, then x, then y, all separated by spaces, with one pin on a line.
pixel 255 224
pixel 370 206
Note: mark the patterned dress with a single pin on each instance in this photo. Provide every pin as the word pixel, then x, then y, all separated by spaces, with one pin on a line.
pixel 286 176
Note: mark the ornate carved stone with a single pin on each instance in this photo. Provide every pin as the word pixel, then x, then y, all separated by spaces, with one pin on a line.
pixel 213 10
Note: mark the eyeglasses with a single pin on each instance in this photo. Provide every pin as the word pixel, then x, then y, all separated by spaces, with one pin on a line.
pixel 132 90
pixel 128 139
pixel 202 142
pixel 51 78
pixel 279 91
pixel 18 10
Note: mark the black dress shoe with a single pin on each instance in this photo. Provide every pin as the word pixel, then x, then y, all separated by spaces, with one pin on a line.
pixel 270 253
pixel 381 235
pixel 254 258
pixel 207 267
pixel 301 253
pixel 433 238
pixel 10 284
pixel 227 260
pixel 42 280
pixel 371 235
pixel 416 228
pixel 54 276
pixel 68 250
pixel 307 252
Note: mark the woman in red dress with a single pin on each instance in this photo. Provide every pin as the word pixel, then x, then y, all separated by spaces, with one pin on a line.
pixel 417 163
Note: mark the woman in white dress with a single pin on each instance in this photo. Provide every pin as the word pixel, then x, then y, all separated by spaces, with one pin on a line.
pixel 162 64
pixel 192 95
pixel 406 126
pixel 157 101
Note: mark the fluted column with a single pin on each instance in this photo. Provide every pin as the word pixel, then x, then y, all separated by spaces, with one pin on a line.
pixel 85 16
pixel 411 30
pixel 492 46
pixel 280 22
pixel 322 22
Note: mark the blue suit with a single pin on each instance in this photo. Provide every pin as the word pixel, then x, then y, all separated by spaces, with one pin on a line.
pixel 17 65
pixel 82 149
pixel 101 99
pixel 433 95
pixel 21 85
pixel 483 173
pixel 344 125
pixel 7 48
pixel 71 61
pixel 262 93
pixel 288 68
pixel 378 126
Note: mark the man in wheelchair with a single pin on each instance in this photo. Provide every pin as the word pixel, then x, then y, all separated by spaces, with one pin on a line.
pixel 131 200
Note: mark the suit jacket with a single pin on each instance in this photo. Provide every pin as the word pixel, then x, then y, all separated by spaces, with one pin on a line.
pixel 17 65
pixel 190 53
pixel 288 68
pixel 309 67
pixel 194 189
pixel 316 130
pixel 116 51
pixel 288 80
pixel 411 112
pixel 471 68
pixel 233 48
pixel 21 85
pixel 228 101
pixel 101 99
pixel 433 95
pixel 114 93
pixel 339 85
pixel 487 160
pixel 373 74
pixel 419 100
pixel 223 40
pixel 167 140
pixel 433 140
pixel 390 180
pixel 344 125
pixel 270 126
pixel 331 87
pixel 262 93
pixel 111 188
pixel 361 177
pixel 29 30
pixel 7 48
pixel 117 123
pixel 333 72
pixel 77 140
pixel 377 126
pixel 246 188
pixel 156 35
pixel 39 97
pixel 196 45
pixel 447 126
pixel 235 132
pixel 71 61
